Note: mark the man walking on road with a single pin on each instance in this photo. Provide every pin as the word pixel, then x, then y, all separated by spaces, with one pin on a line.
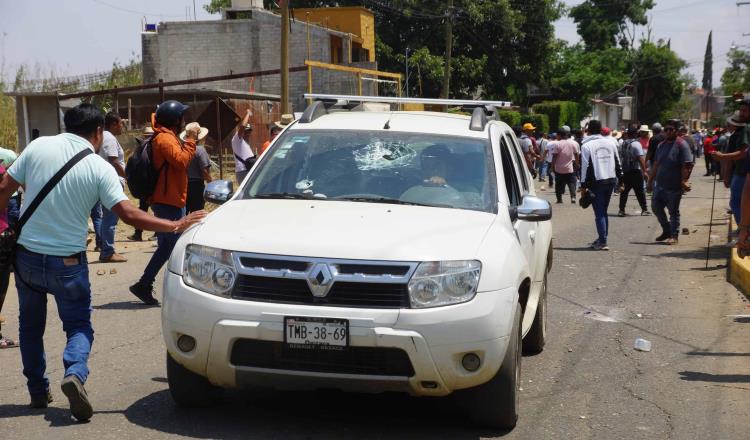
pixel 669 181
pixel 168 201
pixel 600 173
pixel 733 163
pixel 51 253
pixel 633 162
pixel 566 155
pixel 113 153
pixel 527 146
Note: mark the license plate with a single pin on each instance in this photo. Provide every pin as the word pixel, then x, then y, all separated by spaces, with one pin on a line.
pixel 313 333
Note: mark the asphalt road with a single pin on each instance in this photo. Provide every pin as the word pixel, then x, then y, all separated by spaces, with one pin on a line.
pixel 588 383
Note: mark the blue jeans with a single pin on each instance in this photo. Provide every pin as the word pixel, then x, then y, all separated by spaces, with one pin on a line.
pixel 14 210
pixel 165 242
pixel 96 220
pixel 67 279
pixel 735 196
pixel 107 232
pixel 602 195
pixel 669 199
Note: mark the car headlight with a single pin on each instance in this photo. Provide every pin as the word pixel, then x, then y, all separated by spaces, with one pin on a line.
pixel 441 283
pixel 208 269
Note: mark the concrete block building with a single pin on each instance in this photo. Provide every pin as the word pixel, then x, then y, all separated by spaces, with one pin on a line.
pixel 247 39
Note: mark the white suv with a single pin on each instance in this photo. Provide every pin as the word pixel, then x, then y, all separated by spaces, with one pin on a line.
pixel 367 251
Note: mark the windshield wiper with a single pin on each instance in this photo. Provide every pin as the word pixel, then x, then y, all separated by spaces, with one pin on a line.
pixel 284 195
pixel 390 201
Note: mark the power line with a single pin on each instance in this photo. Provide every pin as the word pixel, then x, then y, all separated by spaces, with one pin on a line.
pixel 131 11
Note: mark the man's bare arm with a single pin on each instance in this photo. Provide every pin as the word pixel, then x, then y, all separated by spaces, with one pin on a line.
pixel 133 216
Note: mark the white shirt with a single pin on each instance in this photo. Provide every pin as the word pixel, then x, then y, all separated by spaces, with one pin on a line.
pixel 112 148
pixel 601 152
pixel 242 149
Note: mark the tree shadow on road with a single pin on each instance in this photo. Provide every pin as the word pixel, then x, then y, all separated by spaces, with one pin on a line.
pixel 310 415
pixel 697 376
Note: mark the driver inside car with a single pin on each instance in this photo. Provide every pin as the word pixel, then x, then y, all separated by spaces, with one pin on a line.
pixel 435 165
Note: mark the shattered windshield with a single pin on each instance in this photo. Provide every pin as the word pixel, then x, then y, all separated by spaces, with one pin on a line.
pixel 378 167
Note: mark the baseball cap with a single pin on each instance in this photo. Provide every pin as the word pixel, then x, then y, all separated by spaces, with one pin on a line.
pixel 529 126
pixel 606 131
pixel 565 129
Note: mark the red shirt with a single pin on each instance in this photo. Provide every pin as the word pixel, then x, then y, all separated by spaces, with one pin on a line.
pixel 708 145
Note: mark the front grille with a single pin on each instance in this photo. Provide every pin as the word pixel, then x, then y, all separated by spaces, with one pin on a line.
pixel 342 294
pixel 374 361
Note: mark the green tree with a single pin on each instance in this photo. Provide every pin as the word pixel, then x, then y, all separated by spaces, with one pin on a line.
pixel 736 77
pixel 605 23
pixel 498 45
pixel 215 6
pixel 578 74
pixel 708 66
pixel 657 79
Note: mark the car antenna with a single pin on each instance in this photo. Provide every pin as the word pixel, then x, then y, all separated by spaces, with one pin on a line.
pixel 387 125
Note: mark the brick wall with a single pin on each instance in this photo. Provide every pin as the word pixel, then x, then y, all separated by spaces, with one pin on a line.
pixel 182 50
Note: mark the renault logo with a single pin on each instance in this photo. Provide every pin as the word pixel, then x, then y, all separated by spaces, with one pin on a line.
pixel 320 280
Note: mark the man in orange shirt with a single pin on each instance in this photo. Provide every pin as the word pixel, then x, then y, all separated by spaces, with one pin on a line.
pixel 276 128
pixel 171 157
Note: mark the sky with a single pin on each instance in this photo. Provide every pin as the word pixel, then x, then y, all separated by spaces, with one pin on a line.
pixel 74 37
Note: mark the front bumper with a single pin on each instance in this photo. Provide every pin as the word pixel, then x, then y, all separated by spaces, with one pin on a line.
pixel 435 340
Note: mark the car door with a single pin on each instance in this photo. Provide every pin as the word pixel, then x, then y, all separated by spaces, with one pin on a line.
pixel 514 184
pixel 526 229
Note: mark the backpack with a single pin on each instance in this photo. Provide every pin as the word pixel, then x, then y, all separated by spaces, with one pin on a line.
pixel 627 161
pixel 249 162
pixel 140 172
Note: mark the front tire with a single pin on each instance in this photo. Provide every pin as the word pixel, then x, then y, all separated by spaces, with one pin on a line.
pixel 495 404
pixel 188 389
pixel 536 338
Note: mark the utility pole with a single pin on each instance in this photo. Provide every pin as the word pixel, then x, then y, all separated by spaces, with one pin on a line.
pixel 448 50
pixel 284 5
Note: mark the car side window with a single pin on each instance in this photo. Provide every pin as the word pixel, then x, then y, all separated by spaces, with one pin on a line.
pixel 509 173
pixel 513 144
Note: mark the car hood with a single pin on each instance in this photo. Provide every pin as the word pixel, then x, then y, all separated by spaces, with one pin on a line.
pixel 347 230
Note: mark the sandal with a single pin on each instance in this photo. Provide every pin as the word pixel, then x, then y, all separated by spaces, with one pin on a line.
pixel 7 343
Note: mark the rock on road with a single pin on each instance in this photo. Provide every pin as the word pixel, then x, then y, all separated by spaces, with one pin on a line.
pixel 588 383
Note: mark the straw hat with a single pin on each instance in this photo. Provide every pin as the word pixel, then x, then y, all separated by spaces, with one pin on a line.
pixel 286 119
pixel 147 130
pixel 201 134
pixel 644 128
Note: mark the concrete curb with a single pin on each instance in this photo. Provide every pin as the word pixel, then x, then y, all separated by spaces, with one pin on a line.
pixel 738 269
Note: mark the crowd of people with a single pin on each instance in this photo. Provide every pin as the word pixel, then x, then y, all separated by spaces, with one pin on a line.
pixel 81 174
pixel 655 162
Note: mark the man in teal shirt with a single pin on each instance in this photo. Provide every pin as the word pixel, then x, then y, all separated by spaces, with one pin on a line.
pixel 51 254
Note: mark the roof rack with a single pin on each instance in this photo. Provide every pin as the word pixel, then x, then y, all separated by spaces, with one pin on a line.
pixel 482 111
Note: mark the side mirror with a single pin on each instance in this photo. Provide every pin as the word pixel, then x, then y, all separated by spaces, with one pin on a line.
pixel 218 191
pixel 534 209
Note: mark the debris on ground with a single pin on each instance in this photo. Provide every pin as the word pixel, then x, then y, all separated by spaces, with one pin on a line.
pixel 642 344
pixel 101 272
pixel 113 271
pixel 685 231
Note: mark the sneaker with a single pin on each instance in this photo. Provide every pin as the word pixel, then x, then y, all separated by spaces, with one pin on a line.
pixel 573 200
pixel 114 258
pixel 39 401
pixel 621 213
pixel 663 236
pixel 144 293
pixel 645 212
pixel 79 401
pixel 135 237
pixel 594 244
pixel 559 201
pixel 601 247
pixel 671 241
